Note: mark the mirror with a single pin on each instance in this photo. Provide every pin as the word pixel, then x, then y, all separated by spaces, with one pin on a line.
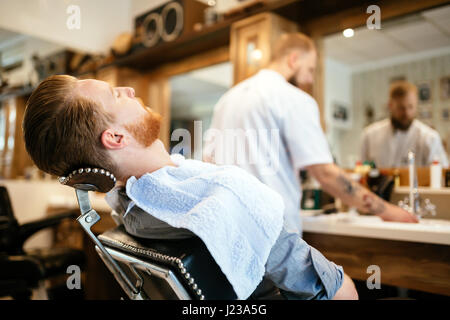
pixel 21 58
pixel 360 69
pixel 193 97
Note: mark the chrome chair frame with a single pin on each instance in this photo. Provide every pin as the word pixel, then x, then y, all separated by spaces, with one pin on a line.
pixel 114 258
pixel 88 218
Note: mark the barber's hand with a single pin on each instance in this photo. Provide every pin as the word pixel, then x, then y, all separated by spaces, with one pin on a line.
pixel 397 214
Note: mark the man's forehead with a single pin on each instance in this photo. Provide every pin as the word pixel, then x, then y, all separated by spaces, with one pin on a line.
pixel 409 96
pixel 91 86
pixel 95 89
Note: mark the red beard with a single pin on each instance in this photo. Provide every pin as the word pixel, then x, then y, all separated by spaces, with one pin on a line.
pixel 146 130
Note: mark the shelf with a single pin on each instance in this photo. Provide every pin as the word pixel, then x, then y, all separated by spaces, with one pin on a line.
pixel 188 44
pixel 211 37
pixel 424 190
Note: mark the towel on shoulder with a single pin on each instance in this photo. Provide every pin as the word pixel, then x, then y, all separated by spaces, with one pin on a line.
pixel 236 216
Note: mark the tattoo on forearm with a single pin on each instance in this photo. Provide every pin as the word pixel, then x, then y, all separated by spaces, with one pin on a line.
pixel 349 186
pixel 373 204
pixel 370 202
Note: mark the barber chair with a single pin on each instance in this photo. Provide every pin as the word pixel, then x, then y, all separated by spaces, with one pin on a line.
pixel 148 268
pixel 22 271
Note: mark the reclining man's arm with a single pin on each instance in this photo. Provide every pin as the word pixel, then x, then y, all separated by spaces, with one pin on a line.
pixel 337 182
pixel 302 273
pixel 347 291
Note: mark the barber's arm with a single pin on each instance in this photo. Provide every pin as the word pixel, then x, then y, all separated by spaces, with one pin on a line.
pixel 337 182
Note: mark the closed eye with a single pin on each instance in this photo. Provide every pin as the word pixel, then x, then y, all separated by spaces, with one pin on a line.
pixel 114 92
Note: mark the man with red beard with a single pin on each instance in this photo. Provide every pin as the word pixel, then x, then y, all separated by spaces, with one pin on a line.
pixel 71 124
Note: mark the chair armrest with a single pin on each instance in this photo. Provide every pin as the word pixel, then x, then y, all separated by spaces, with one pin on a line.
pixel 28 229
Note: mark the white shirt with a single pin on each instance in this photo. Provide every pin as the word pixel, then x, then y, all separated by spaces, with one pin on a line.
pixel 388 148
pixel 278 130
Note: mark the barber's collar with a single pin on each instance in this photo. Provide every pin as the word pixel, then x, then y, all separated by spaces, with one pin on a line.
pixel 272 73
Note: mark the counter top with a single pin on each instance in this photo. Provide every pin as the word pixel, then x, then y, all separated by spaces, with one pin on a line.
pixel 426 231
pixel 424 190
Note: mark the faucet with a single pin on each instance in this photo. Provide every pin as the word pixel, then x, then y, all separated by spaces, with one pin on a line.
pixel 414 203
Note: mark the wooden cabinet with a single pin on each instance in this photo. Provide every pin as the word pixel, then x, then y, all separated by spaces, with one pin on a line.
pixel 84 76
pixel 7 129
pixel 252 40
pixel 159 101
pixel 405 264
pixel 13 156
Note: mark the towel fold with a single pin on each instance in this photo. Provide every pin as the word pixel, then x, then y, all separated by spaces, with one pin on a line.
pixel 236 216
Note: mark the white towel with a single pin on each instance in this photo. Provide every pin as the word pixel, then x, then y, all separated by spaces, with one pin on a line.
pixel 236 216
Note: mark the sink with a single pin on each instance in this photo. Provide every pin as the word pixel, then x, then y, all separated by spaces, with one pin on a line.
pixel 435 223
pixel 344 223
pixel 365 219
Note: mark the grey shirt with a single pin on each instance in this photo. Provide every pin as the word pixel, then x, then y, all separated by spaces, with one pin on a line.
pixel 139 223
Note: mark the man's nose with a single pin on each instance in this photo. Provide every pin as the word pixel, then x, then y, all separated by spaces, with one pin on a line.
pixel 128 91
pixel 131 92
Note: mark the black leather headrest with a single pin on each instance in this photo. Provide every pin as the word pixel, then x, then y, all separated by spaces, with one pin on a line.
pixel 90 179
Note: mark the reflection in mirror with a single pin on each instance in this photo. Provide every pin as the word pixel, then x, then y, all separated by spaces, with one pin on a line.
pixel 193 96
pixel 22 65
pixel 359 73
pixel 18 57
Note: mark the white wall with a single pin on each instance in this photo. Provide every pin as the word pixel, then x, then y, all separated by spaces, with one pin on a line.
pixel 31 199
pixel 38 196
pixel 141 6
pixel 101 21
pixel 337 89
pixel 225 5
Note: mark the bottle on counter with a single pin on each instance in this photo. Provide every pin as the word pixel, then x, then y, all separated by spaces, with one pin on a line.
pixel 373 178
pixel 367 166
pixel 396 178
pixel 311 194
pixel 435 175
pixel 358 167
pixel 447 178
pixel 358 171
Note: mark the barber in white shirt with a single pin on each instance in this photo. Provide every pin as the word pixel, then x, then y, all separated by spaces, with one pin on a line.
pixel 270 127
pixel 388 141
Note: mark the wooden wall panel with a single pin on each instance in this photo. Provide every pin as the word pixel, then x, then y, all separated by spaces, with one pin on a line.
pixel 259 32
pixel 159 101
pixel 21 159
pixel 412 265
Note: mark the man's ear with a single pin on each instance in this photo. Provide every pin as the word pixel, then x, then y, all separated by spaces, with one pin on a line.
pixel 113 140
pixel 390 105
pixel 292 59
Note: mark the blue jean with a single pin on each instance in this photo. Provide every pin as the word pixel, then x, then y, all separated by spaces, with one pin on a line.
pixel 300 271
